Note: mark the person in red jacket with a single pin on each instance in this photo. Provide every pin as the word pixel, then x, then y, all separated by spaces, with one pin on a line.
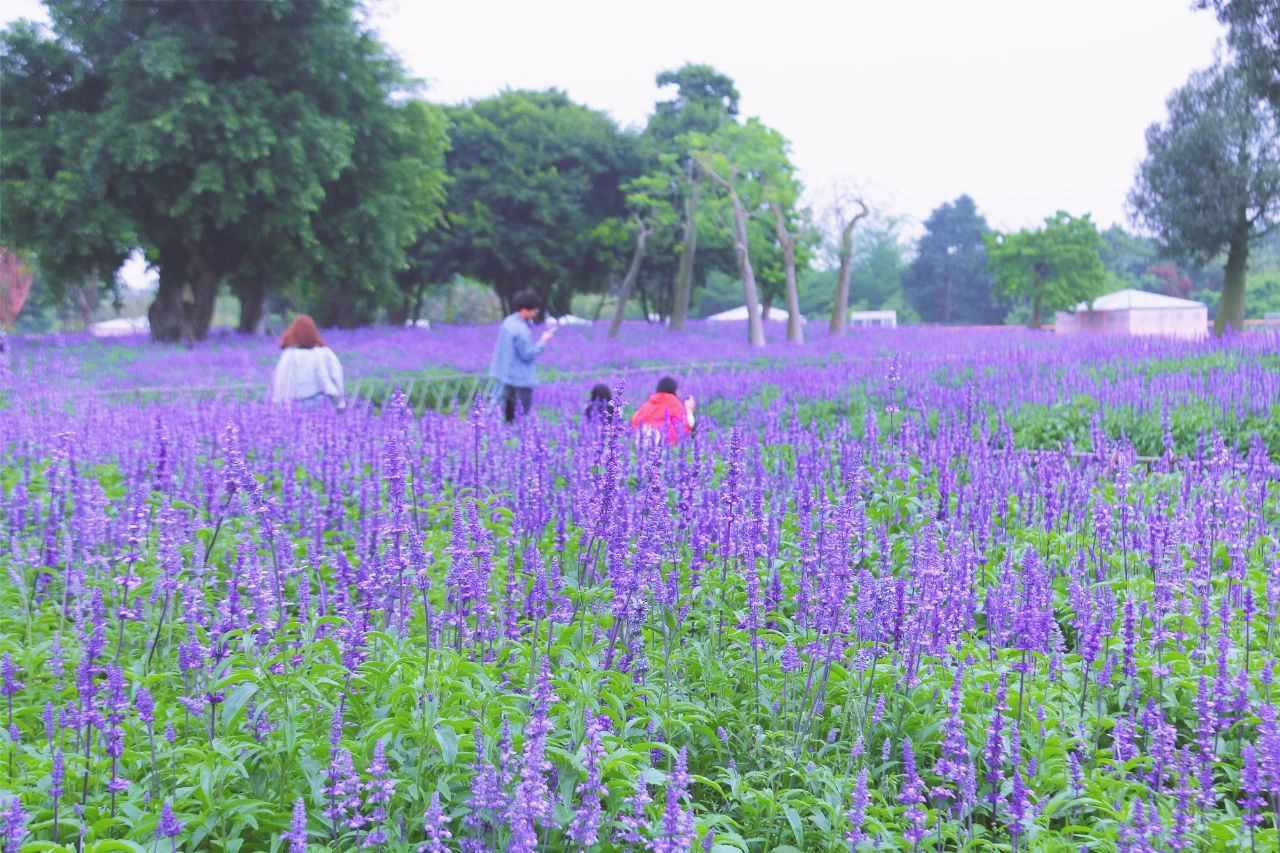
pixel 663 416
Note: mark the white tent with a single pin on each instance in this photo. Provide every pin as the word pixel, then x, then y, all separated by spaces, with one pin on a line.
pixel 739 315
pixel 1136 312
pixel 121 326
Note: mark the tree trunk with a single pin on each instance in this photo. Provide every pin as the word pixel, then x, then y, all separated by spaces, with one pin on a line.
pixel 1035 310
pixel 684 274
pixel 946 292
pixel 85 296
pixel 644 301
pixel 755 323
pixel 418 293
pixel 633 272
pixel 183 308
pixel 795 332
pixel 840 310
pixel 1230 315
pixel 253 303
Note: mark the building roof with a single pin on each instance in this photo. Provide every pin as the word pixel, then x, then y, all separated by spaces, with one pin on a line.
pixel 740 313
pixel 1130 299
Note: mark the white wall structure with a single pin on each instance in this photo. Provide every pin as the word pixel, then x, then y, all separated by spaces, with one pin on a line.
pixel 882 319
pixel 1136 312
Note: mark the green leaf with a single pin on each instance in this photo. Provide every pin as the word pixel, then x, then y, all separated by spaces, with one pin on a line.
pixel 447 738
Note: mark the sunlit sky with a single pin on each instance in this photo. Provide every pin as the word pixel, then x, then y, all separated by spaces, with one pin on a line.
pixel 1029 106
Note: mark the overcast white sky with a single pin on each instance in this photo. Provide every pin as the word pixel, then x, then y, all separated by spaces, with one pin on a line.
pixel 1029 106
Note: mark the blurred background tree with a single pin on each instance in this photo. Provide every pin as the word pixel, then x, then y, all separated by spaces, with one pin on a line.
pixel 250 144
pixel 1210 182
pixel 948 281
pixel 531 177
pixel 1050 268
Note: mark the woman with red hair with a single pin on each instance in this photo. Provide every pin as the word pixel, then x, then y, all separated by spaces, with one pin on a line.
pixel 308 371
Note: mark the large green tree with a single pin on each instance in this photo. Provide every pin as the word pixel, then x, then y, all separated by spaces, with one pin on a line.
pixel 532 177
pixel 1210 182
pixel 1253 31
pixel 705 100
pixel 749 165
pixel 948 281
pixel 1052 267
pixel 649 204
pixel 241 143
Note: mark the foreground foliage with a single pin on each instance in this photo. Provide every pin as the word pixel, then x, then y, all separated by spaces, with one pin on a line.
pixel 882 607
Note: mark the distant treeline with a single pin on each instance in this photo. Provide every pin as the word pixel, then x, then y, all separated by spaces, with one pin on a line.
pixel 279 153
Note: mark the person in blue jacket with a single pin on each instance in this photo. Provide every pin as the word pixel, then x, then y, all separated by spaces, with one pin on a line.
pixel 513 370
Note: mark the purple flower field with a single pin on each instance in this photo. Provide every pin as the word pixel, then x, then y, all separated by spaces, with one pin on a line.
pixel 916 589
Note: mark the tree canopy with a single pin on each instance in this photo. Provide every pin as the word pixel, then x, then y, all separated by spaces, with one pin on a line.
pixel 1210 182
pixel 948 281
pixel 705 100
pixel 532 178
pixel 1253 31
pixel 240 143
pixel 1052 267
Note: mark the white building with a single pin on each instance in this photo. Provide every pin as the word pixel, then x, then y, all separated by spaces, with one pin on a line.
pixel 1136 312
pixel 883 319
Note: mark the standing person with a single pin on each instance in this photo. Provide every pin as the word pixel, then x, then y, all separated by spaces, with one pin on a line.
pixel 513 370
pixel 663 415
pixel 308 371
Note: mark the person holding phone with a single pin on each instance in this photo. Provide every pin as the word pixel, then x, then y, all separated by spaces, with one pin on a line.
pixel 513 369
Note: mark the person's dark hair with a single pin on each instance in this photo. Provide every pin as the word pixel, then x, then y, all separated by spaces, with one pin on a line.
pixel 666 385
pixel 601 394
pixel 526 300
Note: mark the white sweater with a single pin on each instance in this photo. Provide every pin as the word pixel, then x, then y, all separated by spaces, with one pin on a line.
pixel 304 373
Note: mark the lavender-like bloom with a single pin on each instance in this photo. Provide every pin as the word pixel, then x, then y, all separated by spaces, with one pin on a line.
pixel 169 825
pixel 56 774
pixel 1269 748
pixel 857 813
pixel 993 754
pixel 487 797
pixel 954 763
pixel 631 820
pixel 342 790
pixel 676 834
pixel 585 826
pixel 531 805
pixel 1019 806
pixel 9 683
pixel 790 659
pixel 297 834
pixel 378 792
pixel 145 705
pixel 436 826
pixel 13 824
pixel 912 796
